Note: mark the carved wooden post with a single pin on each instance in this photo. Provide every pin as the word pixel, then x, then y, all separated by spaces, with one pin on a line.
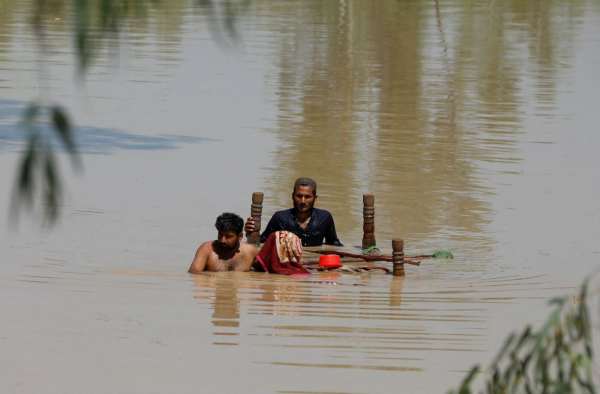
pixel 368 221
pixel 398 256
pixel 256 213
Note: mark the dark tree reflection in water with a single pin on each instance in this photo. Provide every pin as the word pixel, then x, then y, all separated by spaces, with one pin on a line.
pixel 408 100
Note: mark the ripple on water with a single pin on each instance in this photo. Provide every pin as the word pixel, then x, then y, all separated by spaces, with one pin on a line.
pixel 361 318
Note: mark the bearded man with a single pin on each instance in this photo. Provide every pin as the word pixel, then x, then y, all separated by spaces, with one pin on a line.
pixel 310 224
pixel 227 252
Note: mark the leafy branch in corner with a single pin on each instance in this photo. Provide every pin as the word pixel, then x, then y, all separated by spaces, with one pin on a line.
pixel 94 23
pixel 557 358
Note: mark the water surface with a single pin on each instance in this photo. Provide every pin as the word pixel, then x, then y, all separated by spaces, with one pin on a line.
pixel 473 123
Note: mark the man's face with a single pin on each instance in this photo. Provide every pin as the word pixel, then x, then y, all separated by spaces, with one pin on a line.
pixel 303 198
pixel 228 240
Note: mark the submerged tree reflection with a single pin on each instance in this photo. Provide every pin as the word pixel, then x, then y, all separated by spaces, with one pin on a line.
pixel 403 99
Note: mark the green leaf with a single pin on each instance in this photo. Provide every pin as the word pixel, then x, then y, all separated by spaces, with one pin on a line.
pixel 26 171
pixel 81 27
pixel 505 348
pixel 465 386
pixel 443 255
pixel 52 192
pixel 62 126
pixel 63 129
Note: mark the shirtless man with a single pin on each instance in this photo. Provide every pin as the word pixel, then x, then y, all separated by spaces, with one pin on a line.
pixel 227 252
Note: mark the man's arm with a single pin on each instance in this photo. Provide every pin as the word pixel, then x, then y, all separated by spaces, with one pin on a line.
pixel 272 226
pixel 202 254
pixel 253 254
pixel 331 237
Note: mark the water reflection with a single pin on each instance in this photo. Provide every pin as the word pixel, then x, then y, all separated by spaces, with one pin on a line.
pixel 326 324
pixel 221 18
pixel 419 102
pixel 225 304
pixel 403 99
pixel 279 295
pixel 332 297
pixel 396 292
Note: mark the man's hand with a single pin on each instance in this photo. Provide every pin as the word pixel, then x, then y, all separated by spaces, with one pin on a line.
pixel 249 227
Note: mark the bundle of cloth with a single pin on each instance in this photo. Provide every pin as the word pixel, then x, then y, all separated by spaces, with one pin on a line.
pixel 281 254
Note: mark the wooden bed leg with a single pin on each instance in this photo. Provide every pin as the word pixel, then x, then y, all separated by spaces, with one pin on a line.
pixel 256 213
pixel 398 256
pixel 368 221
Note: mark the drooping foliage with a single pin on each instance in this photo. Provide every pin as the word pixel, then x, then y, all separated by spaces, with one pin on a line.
pixel 556 358
pixel 94 25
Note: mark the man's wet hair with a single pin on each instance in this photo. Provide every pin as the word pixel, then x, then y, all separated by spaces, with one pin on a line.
pixel 229 222
pixel 306 182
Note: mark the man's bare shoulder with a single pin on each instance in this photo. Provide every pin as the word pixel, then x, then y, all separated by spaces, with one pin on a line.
pixel 206 247
pixel 203 255
pixel 247 248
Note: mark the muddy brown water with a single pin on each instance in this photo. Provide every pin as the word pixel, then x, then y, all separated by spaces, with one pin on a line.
pixel 473 123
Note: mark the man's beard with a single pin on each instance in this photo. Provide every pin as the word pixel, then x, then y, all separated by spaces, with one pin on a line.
pixel 227 248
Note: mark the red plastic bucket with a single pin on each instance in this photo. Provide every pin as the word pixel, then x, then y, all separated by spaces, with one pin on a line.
pixel 330 261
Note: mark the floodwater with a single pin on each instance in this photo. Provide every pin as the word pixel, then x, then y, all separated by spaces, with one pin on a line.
pixel 475 124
